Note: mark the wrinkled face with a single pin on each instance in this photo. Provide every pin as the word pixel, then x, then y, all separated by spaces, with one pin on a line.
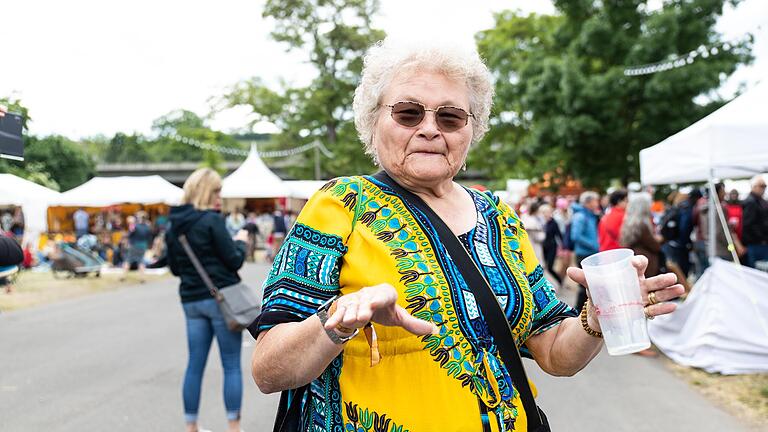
pixel 422 153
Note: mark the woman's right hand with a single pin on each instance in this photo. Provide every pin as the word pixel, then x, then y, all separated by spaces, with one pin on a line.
pixel 377 304
pixel 3 110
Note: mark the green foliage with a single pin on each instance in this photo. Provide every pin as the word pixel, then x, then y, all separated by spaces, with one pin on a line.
pixel 65 161
pixel 335 34
pixel 136 148
pixel 53 161
pixel 563 102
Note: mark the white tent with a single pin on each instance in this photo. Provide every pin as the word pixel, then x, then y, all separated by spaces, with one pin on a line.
pixel 732 142
pixel 722 326
pixel 107 191
pixel 253 179
pixel 31 197
pixel 304 189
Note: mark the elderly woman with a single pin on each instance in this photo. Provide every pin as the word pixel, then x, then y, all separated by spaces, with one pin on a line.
pixel 360 253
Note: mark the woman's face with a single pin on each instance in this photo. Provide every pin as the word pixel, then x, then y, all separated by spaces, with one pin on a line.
pixel 423 153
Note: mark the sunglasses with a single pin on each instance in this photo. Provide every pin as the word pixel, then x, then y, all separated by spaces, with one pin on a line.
pixel 448 118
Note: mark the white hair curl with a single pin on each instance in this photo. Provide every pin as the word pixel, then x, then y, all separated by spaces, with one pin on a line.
pixel 386 59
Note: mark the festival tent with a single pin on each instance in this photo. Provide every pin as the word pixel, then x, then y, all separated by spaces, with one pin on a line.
pixel 107 191
pixel 732 142
pixel 722 326
pixel 253 179
pixel 31 197
pixel 304 189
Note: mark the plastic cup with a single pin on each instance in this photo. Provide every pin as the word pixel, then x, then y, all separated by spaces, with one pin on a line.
pixel 615 292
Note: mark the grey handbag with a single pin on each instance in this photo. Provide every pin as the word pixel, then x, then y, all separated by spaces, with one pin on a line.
pixel 238 303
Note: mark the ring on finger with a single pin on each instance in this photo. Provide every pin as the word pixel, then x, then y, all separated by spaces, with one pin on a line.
pixel 648 316
pixel 652 300
pixel 343 329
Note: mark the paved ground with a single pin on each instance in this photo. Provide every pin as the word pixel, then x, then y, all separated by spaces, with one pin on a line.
pixel 114 362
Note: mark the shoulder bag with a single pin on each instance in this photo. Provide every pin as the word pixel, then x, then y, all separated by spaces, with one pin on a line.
pixel 238 303
pixel 486 300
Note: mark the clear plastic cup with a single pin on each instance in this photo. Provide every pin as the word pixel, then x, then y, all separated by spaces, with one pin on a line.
pixel 615 292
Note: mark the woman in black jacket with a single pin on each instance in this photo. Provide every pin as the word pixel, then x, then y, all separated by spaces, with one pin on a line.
pixel 553 238
pixel 198 218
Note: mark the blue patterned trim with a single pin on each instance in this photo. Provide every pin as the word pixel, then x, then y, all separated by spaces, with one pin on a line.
pixel 304 275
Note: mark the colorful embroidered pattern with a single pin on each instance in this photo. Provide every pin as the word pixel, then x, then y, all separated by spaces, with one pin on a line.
pixel 305 272
pixel 360 211
pixel 359 420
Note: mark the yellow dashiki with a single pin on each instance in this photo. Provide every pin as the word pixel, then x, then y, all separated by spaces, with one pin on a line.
pixel 356 232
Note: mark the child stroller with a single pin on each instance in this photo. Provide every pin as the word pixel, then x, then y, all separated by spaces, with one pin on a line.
pixel 73 261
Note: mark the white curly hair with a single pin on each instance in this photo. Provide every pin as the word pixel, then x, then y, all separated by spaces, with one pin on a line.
pixel 386 59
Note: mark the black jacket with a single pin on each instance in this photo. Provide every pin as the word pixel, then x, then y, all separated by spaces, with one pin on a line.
pixel 755 221
pixel 553 235
pixel 10 252
pixel 207 234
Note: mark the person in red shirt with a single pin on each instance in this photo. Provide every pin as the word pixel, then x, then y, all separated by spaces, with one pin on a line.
pixel 610 225
pixel 733 208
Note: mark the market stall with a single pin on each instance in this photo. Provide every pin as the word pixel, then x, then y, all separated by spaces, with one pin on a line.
pixel 123 195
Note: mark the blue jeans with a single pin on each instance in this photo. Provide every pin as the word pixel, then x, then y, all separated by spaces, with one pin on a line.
pixel 204 320
pixel 756 253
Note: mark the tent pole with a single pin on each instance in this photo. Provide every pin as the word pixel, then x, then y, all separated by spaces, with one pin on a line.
pixel 711 218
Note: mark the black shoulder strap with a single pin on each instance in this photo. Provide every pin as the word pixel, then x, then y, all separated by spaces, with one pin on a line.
pixel 486 299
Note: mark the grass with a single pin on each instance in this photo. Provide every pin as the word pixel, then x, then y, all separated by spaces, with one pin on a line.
pixel 743 396
pixel 33 288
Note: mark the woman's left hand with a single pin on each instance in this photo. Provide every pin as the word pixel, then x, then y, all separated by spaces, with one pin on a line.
pixel 656 291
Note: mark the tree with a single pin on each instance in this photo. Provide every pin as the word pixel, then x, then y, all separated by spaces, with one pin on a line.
pixel 188 124
pixel 137 148
pixel 63 160
pixel 564 102
pixel 335 34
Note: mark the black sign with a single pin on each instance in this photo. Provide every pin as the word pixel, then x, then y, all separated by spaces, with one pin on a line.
pixel 11 144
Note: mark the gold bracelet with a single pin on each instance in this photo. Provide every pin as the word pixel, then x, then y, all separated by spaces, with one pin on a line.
pixel 590 331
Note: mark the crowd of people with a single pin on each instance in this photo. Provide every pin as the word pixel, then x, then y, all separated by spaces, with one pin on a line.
pixel 672 234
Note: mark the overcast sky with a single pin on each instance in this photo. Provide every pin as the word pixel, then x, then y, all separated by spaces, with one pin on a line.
pixel 97 67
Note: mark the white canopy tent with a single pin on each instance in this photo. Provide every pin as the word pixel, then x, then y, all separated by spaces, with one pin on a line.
pixel 723 325
pixel 107 191
pixel 253 179
pixel 31 197
pixel 304 189
pixel 732 142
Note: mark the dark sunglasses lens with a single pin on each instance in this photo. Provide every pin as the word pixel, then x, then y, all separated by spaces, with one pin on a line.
pixel 450 119
pixel 407 113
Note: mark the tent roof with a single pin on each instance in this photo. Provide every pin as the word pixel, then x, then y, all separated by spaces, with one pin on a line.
pixel 33 199
pixel 253 179
pixel 304 189
pixel 106 191
pixel 731 142
pixel 18 191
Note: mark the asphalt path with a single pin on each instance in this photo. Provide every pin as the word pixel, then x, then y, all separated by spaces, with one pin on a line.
pixel 115 362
